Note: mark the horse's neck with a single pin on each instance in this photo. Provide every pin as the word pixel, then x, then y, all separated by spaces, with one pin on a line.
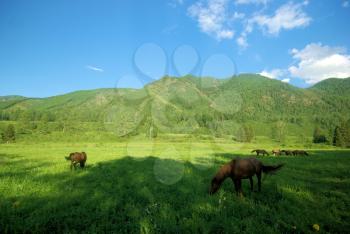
pixel 224 172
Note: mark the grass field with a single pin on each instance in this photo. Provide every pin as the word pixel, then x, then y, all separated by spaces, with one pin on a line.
pixel 162 186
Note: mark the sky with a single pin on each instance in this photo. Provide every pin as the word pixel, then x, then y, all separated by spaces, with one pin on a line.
pixel 52 47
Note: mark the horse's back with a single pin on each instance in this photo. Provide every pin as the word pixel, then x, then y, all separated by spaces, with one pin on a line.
pixel 248 167
pixel 79 157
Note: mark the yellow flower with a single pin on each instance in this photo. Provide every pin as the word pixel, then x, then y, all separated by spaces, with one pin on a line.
pixel 316 227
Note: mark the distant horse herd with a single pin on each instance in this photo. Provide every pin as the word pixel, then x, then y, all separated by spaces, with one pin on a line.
pixel 237 169
pixel 277 152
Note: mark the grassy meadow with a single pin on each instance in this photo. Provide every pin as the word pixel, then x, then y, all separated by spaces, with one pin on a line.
pixel 157 186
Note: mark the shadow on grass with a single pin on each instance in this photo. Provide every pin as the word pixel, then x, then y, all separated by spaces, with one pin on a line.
pixel 150 195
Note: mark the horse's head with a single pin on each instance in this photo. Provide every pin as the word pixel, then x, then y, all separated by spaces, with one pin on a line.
pixel 215 185
pixel 69 157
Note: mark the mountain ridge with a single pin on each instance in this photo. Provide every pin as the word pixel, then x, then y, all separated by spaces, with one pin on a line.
pixel 189 77
pixel 175 104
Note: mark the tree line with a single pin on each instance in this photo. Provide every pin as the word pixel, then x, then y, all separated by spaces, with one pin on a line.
pixel 339 136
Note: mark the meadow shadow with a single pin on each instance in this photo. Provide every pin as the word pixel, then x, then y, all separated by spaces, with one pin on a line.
pixel 146 195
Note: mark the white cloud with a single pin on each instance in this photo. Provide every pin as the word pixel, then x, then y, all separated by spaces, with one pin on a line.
pixel 242 42
pixel 238 15
pixel 273 74
pixel 219 18
pixel 345 4
pixel 93 68
pixel 175 3
pixel 251 1
pixel 212 18
pixel 225 34
pixel 278 74
pixel 317 62
pixel 288 16
pixel 170 29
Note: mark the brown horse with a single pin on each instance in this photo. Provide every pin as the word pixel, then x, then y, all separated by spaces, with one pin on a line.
pixel 300 152
pixel 287 152
pixel 276 152
pixel 76 158
pixel 239 169
pixel 260 151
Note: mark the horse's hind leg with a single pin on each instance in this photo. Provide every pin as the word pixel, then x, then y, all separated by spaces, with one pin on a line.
pixel 259 180
pixel 251 183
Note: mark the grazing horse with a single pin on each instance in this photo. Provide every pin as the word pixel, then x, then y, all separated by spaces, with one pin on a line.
pixel 76 158
pixel 260 151
pixel 276 152
pixel 239 169
pixel 287 152
pixel 300 152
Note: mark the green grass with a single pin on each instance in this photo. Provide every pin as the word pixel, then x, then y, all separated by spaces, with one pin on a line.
pixel 162 186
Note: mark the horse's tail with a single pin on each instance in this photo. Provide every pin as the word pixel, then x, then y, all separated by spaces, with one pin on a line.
pixel 271 169
pixel 253 151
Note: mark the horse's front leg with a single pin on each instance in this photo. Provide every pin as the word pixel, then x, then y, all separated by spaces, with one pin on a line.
pixel 235 184
pixel 251 183
pixel 240 192
pixel 71 166
pixel 238 186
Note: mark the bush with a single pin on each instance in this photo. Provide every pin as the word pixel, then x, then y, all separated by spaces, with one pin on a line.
pixel 245 134
pixel 9 134
pixel 319 136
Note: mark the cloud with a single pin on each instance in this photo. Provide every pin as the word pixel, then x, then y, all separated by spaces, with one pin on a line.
pixel 170 29
pixel 288 16
pixel 345 4
pixel 273 74
pixel 238 15
pixel 212 18
pixel 219 18
pixel 252 1
pixel 175 3
pixel 242 41
pixel 278 74
pixel 317 62
pixel 93 68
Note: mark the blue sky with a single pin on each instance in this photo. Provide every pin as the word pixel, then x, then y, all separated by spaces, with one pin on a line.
pixel 54 47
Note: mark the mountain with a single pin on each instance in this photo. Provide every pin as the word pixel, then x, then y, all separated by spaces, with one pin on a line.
pixel 192 104
pixel 333 86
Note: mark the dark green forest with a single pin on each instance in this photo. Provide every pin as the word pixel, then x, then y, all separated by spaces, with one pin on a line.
pixel 243 106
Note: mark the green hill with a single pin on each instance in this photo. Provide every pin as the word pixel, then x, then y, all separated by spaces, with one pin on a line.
pixel 334 86
pixel 190 104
